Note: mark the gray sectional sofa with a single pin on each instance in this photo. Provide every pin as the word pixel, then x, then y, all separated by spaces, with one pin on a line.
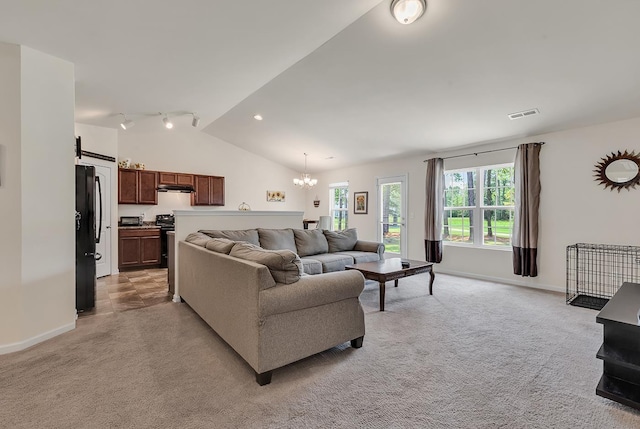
pixel 255 291
pixel 321 251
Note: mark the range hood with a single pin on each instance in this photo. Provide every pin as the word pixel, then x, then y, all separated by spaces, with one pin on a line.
pixel 187 189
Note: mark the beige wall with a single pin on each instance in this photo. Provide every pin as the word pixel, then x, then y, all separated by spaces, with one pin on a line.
pixel 41 193
pixel 573 208
pixel 10 196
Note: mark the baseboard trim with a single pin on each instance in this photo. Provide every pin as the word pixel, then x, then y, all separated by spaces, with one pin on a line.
pixel 21 345
pixel 513 282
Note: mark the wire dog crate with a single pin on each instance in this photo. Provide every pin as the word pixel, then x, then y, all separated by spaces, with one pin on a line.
pixel 596 271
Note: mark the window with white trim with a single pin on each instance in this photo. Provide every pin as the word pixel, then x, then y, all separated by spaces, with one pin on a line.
pixel 338 205
pixel 479 206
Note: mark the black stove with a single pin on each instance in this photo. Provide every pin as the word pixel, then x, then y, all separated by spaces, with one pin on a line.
pixel 166 222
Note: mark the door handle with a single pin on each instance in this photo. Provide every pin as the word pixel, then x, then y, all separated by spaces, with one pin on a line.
pixel 98 256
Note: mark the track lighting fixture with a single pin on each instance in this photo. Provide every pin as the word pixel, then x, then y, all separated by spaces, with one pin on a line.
pixel 167 122
pixel 195 121
pixel 126 123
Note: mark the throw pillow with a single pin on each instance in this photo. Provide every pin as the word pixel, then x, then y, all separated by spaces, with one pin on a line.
pixel 197 238
pixel 341 241
pixel 284 265
pixel 248 235
pixel 277 239
pixel 220 245
pixel 310 242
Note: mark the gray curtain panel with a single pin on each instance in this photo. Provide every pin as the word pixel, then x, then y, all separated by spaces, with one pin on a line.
pixel 434 210
pixel 525 226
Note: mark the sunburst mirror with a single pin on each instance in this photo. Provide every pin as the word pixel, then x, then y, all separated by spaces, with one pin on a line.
pixel 619 170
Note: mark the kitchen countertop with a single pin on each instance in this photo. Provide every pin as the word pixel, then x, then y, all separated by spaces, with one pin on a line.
pixel 143 226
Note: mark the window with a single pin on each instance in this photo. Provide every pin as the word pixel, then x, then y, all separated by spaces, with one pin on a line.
pixel 339 197
pixel 479 196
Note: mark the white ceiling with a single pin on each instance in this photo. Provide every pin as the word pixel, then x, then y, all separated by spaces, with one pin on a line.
pixel 341 78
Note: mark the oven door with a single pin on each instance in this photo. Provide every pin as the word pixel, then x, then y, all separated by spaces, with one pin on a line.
pixel 164 247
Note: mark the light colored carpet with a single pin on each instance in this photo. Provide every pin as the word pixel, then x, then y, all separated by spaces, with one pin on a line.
pixel 474 355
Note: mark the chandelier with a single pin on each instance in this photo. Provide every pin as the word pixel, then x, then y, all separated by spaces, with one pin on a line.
pixel 305 181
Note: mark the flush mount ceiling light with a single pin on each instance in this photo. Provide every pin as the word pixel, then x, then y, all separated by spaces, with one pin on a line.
pixel 126 123
pixel 305 181
pixel 195 121
pixel 407 11
pixel 257 117
pixel 167 122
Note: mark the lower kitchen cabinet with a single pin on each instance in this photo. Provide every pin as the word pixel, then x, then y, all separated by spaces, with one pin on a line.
pixel 138 247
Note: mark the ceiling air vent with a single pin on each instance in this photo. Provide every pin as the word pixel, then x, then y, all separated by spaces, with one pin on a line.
pixel 523 114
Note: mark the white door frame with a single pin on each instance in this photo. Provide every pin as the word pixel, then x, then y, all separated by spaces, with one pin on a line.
pixel 403 179
pixel 113 218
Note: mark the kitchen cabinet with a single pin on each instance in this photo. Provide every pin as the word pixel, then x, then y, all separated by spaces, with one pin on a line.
pixel 138 247
pixel 137 187
pixel 165 178
pixel 209 191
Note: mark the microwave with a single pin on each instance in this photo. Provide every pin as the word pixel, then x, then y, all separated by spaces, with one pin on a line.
pixel 130 220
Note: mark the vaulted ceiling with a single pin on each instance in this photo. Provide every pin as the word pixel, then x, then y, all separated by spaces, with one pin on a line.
pixel 341 79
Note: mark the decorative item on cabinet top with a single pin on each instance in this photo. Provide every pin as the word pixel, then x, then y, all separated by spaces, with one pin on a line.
pixel 244 207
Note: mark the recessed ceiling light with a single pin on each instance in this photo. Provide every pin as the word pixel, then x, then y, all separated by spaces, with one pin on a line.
pixel 257 117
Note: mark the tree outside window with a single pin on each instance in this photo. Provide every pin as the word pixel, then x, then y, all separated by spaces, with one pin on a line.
pixel 482 196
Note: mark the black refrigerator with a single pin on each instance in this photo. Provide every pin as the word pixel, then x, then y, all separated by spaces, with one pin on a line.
pixel 87 185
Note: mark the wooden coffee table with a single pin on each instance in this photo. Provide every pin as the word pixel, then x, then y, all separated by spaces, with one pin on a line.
pixel 391 269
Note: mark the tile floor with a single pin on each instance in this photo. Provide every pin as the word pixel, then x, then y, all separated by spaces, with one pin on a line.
pixel 130 290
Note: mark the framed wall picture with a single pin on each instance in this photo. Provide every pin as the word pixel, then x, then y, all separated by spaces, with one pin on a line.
pixel 275 196
pixel 360 202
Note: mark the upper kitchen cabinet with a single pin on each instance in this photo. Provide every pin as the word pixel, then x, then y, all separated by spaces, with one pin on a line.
pixel 137 187
pixel 175 178
pixel 209 191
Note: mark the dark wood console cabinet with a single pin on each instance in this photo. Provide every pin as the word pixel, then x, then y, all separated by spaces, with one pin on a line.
pixel 620 351
pixel 209 191
pixel 137 187
pixel 138 247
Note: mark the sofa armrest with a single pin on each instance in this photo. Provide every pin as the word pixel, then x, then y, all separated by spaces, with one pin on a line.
pixel 311 291
pixel 370 246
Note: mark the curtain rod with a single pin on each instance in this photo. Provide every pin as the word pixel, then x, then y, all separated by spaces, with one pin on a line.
pixel 486 151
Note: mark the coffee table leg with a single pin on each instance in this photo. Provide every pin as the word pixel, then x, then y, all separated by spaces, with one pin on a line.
pixel 433 276
pixel 395 283
pixel 382 287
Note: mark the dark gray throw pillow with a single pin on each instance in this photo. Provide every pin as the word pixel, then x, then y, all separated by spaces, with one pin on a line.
pixel 341 241
pixel 310 242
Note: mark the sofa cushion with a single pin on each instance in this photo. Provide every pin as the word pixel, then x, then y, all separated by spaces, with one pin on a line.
pixel 341 240
pixel 333 261
pixel 310 242
pixel 359 257
pixel 311 266
pixel 277 239
pixel 220 245
pixel 284 265
pixel 197 238
pixel 248 235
